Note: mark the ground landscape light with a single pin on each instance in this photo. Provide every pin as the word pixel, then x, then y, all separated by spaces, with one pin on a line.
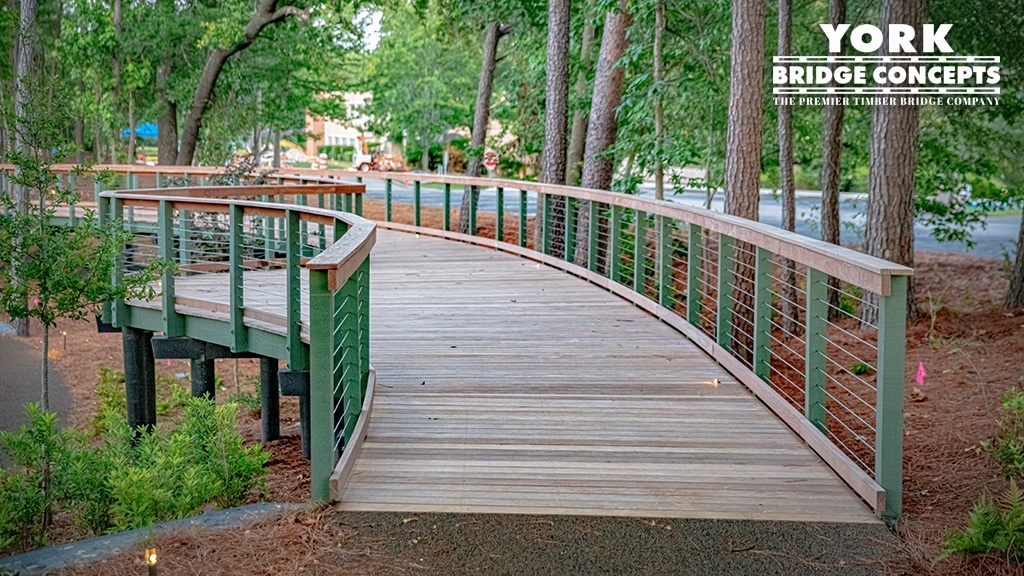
pixel 150 556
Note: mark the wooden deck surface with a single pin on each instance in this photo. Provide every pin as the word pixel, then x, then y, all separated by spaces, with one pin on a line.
pixel 506 386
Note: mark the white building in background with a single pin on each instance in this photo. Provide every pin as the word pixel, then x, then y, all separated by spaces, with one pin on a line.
pixel 344 132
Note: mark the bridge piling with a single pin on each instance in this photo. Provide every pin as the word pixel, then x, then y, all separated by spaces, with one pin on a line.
pixel 139 377
pixel 270 399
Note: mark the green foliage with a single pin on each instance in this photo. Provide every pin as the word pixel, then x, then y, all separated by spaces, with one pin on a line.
pixel 1008 447
pixel 125 480
pixel 110 389
pixel 339 153
pixel 861 369
pixel 992 528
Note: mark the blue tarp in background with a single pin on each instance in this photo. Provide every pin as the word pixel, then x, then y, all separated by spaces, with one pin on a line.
pixel 145 130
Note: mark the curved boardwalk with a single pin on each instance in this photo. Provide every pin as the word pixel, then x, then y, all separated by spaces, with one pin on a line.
pixel 506 386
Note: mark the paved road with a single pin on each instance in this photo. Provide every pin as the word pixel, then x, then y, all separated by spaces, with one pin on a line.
pixel 19 382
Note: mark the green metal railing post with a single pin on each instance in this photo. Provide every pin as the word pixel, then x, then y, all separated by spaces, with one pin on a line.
pixel 447 216
pixel 416 203
pixel 363 303
pixel 103 209
pixel 593 236
pixel 174 324
pixel 346 335
pixel 473 200
pixel 815 328
pixel 614 243
pixel 762 313
pixel 694 247
pixel 239 334
pixel 298 352
pixel 387 200
pixel 723 330
pixel 185 242
pixel 664 227
pixel 119 311
pixel 522 218
pixel 570 229
pixel 545 223
pixel 159 180
pixel 358 203
pixel 321 385
pixel 321 229
pixel 639 251
pixel 892 332
pixel 499 215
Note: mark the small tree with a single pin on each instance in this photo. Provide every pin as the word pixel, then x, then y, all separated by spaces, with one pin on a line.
pixel 62 271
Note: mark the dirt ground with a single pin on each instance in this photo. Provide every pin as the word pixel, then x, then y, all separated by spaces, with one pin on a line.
pixel 972 348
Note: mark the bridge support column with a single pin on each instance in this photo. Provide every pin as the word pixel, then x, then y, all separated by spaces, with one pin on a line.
pixel 139 378
pixel 203 377
pixel 270 400
pixel 296 383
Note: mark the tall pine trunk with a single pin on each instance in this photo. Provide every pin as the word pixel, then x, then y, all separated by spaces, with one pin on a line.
pixel 1015 296
pixel 787 185
pixel 659 109
pixel 578 134
pixel 26 52
pixel 743 154
pixel 598 168
pixel 893 159
pixel 481 115
pixel 832 162
pixel 556 122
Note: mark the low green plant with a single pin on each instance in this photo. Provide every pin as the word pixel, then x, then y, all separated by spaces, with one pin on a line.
pixel 1008 447
pixel 170 397
pixel 992 527
pixel 124 478
pixel 861 369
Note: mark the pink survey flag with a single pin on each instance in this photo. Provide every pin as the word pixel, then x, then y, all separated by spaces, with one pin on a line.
pixel 921 372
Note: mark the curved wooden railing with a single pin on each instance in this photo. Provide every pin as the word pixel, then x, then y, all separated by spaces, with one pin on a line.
pixel 297 280
pixel 781 312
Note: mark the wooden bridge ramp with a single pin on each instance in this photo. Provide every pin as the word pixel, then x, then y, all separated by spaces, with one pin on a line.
pixel 507 386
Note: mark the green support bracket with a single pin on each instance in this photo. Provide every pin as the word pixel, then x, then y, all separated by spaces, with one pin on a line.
pixel 545 223
pixel 694 247
pixel 664 256
pixel 816 327
pixel 593 236
pixel 321 388
pixel 639 251
pixel 416 203
pixel 473 199
pixel 387 200
pixel 892 338
pixel 499 215
pixel 570 229
pixel 174 324
pixel 522 218
pixel 762 313
pixel 447 216
pixel 615 243
pixel 723 330
pixel 239 333
pixel 298 352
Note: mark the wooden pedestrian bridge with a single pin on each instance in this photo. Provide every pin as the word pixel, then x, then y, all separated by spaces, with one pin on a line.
pixel 572 351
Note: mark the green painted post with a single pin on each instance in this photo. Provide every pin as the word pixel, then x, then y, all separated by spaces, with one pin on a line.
pixel 346 342
pixel 815 329
pixel 416 203
pixel 725 284
pixel 239 336
pixel 364 326
pixel 119 312
pixel 639 252
pixel 72 216
pixel 359 204
pixel 522 218
pixel 593 235
pixel 321 229
pixel 473 200
pixel 297 351
pixel 268 231
pixel 447 216
pixel 185 243
pixel 545 223
pixel 159 180
pixel 349 200
pixel 387 200
pixel 499 215
pixel 321 388
pixel 174 325
pixel 614 242
pixel 694 248
pixel 762 313
pixel 664 255
pixel 128 180
pixel 570 229
pixel 103 210
pixel 302 200
pixel 892 332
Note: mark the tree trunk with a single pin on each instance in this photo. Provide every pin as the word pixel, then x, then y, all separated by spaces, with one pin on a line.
pixel 790 320
pixel 266 14
pixel 832 163
pixel 659 110
pixel 277 148
pixel 743 156
pixel 481 114
pixel 131 127
pixel 26 51
pixel 425 153
pixel 556 123
pixel 166 120
pixel 1015 296
pixel 598 169
pixel 578 135
pixel 44 387
pixel 889 229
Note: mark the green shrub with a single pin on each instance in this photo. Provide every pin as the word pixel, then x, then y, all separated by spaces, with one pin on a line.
pixel 1008 448
pixel 126 479
pixel 170 396
pixel 992 528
